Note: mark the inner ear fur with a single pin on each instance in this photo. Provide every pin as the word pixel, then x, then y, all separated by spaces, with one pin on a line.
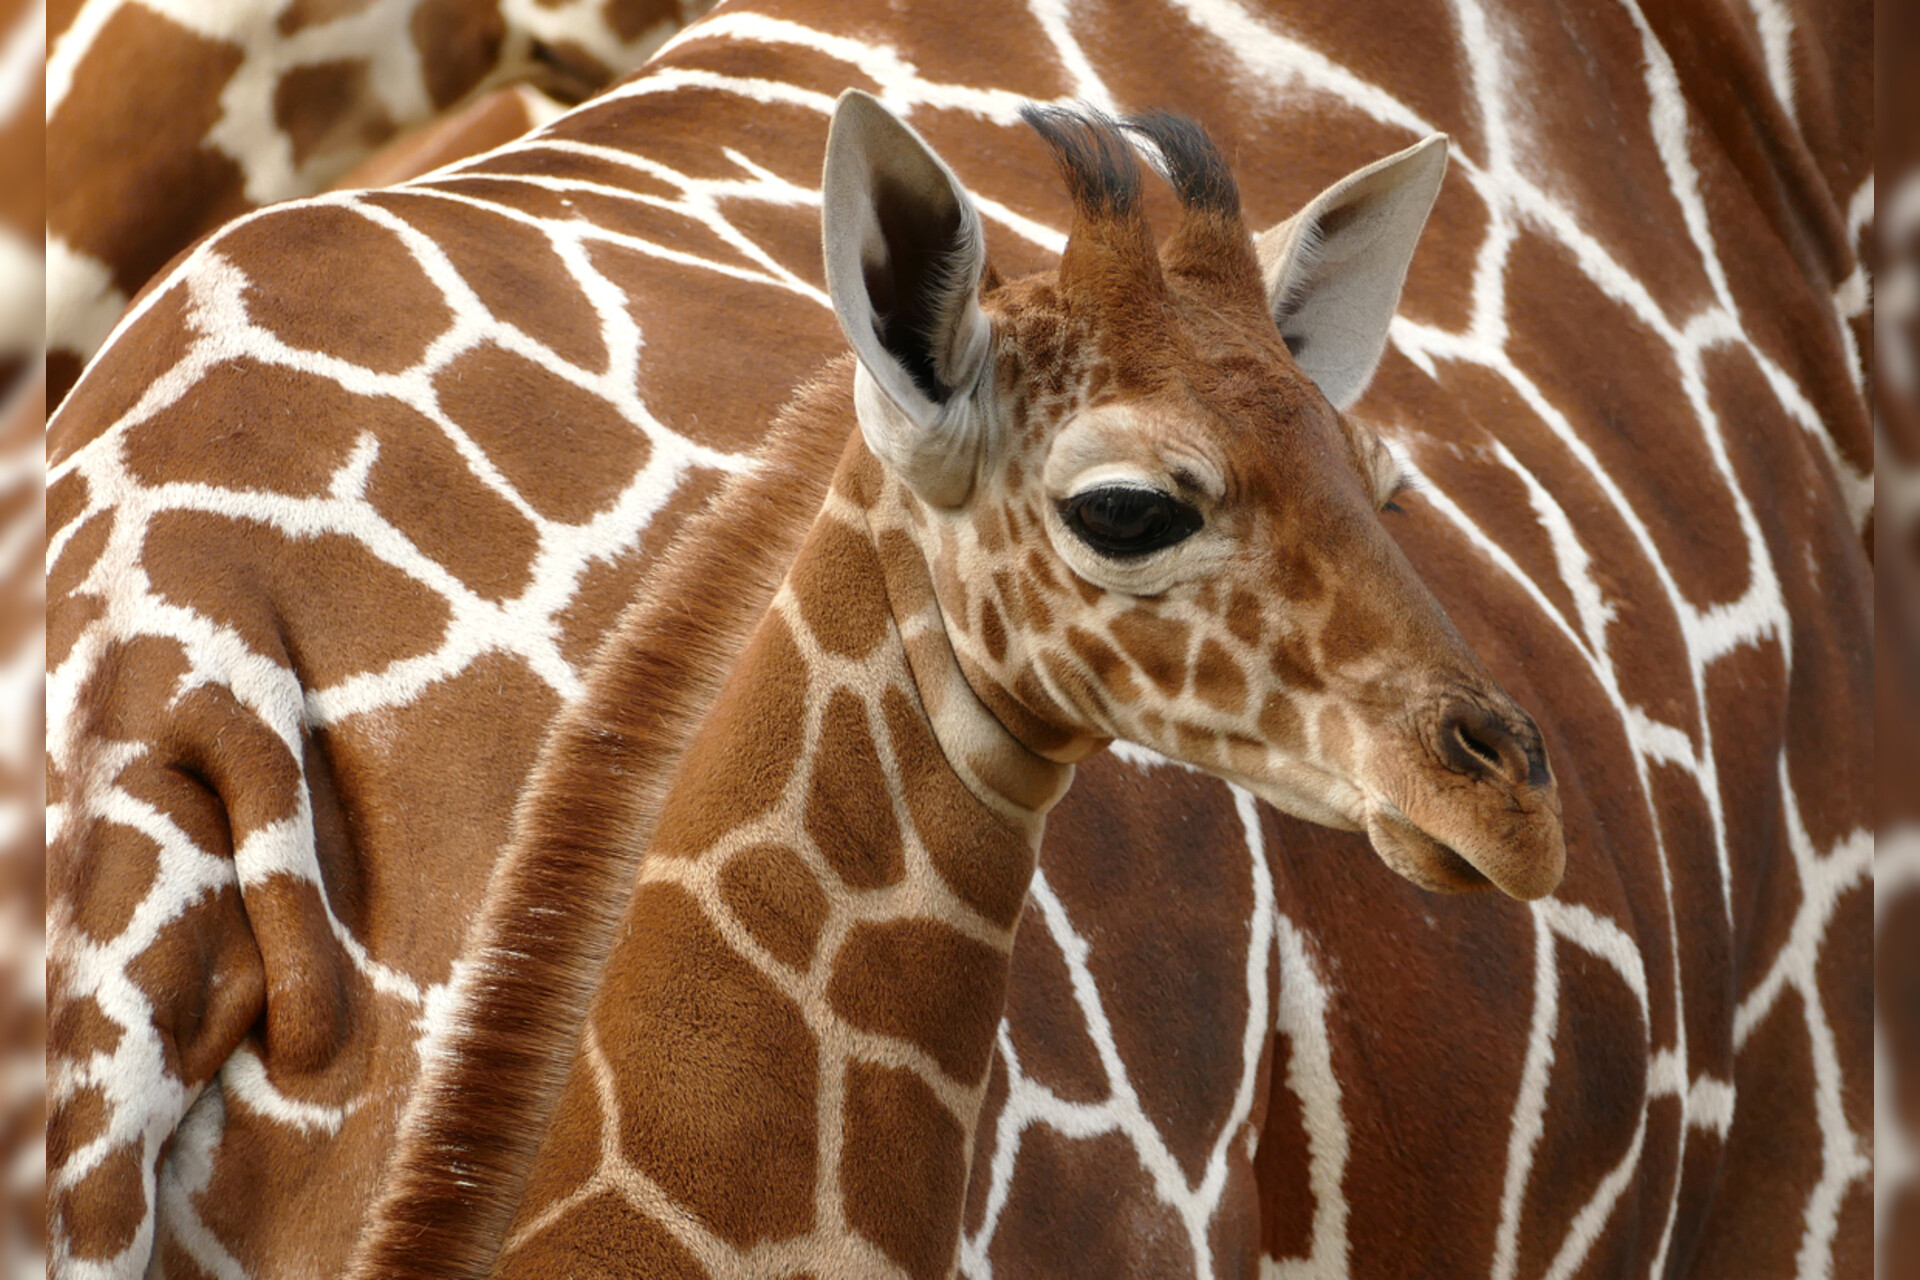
pixel 905 256
pixel 1334 270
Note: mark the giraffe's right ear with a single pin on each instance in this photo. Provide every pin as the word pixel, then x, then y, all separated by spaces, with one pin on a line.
pixel 904 260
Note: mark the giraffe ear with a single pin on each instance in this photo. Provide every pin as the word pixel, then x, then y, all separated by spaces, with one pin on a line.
pixel 1334 270
pixel 904 256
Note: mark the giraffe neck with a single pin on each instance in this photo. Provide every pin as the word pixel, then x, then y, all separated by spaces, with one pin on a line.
pixel 786 1061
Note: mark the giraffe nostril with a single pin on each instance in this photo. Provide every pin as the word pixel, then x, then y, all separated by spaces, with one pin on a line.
pixel 1489 755
pixel 1485 745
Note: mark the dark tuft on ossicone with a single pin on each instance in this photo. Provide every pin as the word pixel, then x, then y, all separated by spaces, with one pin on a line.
pixel 1191 162
pixel 1102 176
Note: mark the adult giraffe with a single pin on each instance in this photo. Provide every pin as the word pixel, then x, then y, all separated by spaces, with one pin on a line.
pixel 388 607
pixel 164 120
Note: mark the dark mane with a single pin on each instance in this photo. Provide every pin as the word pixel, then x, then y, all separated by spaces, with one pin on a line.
pixel 585 818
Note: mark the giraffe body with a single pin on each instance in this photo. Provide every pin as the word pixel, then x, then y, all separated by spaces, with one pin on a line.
pixel 1662 568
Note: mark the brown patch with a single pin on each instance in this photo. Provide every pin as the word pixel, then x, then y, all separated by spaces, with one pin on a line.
pixel 1461 463
pixel 328 107
pixel 380 763
pixel 103 1213
pixel 908 588
pixel 1844 979
pixel 459 42
pixel 251 426
pixel 752 739
pixel 1772 1159
pixel 1157 645
pixel 841 590
pixel 1085 1207
pixel 849 804
pixel 985 1143
pixel 992 632
pixel 716 1070
pixel 802 66
pixel 904 1171
pixel 569 453
pixel 109 881
pixel 66 499
pixel 920 981
pixel 1353 630
pixel 1291 661
pixel 770 889
pixel 706 392
pixel 78 556
pixel 78 1028
pixel 1170 929
pixel 1599 1075
pixel 301 14
pixel 516 274
pixel 602 1238
pixel 631 19
pixel 1108 667
pixel 324 604
pixel 1218 679
pixel 162 188
pixel 206 980
pixel 324 278
pixel 1034 602
pixel 1042 572
pixel 1281 724
pixel 154 343
pixel 1578 345
pixel 982 859
pixel 422 485
pixel 1048 1029
pixel 1283 1163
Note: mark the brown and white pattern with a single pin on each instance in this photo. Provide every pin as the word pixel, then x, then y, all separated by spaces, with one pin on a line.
pixel 164 119
pixel 306 674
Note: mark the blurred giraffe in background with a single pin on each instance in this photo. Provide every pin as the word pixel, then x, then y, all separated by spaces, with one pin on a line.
pixel 22 609
pixel 1897 651
pixel 297 677
pixel 165 119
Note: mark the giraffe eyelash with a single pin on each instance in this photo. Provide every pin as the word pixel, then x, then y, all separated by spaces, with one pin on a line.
pixel 1400 483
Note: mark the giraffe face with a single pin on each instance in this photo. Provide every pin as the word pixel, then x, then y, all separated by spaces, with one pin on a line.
pixel 1146 517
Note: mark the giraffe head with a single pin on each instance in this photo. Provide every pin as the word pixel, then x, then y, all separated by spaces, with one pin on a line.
pixel 1143 512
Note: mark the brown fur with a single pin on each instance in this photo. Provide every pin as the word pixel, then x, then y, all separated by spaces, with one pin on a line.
pixel 588 814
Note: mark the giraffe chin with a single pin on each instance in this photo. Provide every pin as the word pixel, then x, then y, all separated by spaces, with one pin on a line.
pixel 1441 868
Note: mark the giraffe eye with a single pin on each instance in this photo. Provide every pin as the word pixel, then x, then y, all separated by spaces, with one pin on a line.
pixel 1123 521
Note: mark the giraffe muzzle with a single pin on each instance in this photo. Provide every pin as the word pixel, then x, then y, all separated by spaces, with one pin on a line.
pixel 1479 807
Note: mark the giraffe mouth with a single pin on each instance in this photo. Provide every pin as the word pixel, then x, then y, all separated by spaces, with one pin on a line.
pixel 1520 851
pixel 1419 857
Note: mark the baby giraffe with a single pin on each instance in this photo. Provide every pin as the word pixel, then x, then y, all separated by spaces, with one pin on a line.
pixel 1119 500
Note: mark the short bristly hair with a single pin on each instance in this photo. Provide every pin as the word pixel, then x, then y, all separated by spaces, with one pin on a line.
pixel 1190 162
pixel 1101 173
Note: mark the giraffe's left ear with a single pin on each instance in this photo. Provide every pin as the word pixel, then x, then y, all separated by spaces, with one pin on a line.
pixel 904 257
pixel 1334 270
